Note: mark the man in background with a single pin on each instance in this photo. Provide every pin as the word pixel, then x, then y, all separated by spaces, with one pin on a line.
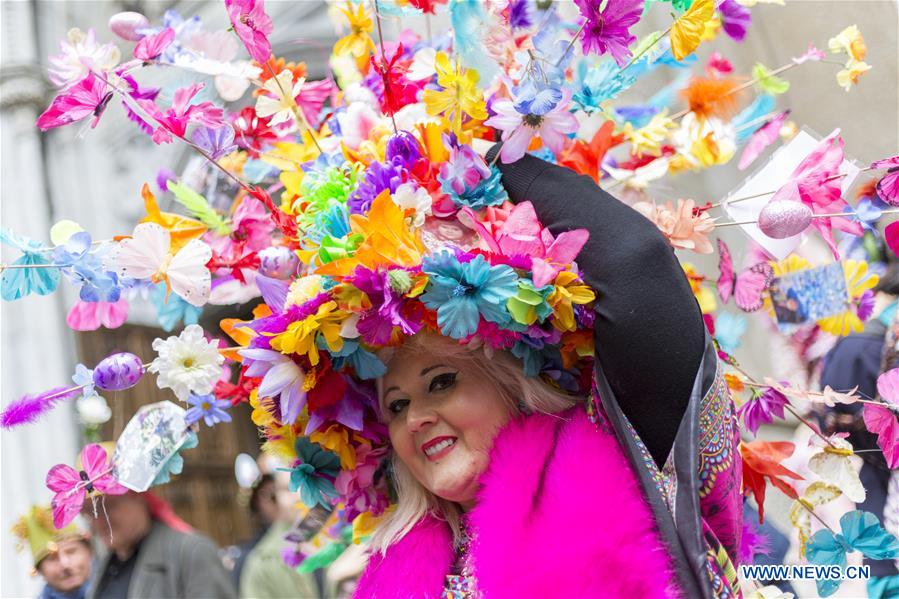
pixel 153 554
pixel 61 557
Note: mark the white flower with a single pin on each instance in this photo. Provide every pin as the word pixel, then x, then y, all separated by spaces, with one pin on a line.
pixel 187 363
pixel 303 289
pixel 280 102
pixel 81 52
pixel 407 196
pixel 93 410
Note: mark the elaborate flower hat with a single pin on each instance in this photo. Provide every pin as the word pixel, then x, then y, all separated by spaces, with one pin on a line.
pixel 35 529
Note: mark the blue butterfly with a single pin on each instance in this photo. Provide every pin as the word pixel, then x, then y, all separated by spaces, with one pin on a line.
pixel 860 531
pixel 16 283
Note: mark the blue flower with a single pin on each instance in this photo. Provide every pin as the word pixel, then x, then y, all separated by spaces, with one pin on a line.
pixel 461 292
pixel 536 98
pixel 84 376
pixel 312 475
pixel 207 407
pixel 598 84
pixel 170 313
pixel 488 191
pixel 364 363
pixel 536 355
pixel 85 268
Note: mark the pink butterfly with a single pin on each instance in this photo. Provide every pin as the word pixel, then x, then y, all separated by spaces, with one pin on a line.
pixel 73 486
pixel 151 46
pixel 747 287
pixel 522 235
pixel 88 97
pixel 882 421
pixel 763 137
pixel 90 316
pixel 888 186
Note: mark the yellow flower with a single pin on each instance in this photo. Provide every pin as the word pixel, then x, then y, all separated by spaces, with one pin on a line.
pixel 261 416
pixel 303 290
pixel 704 296
pixel 337 439
pixel 365 524
pixel 280 102
pixel 300 336
pixel 460 94
pixel 569 290
pixel 712 27
pixel 848 77
pixel 281 441
pixel 649 138
pixel 688 30
pixel 358 42
pixel 857 282
pixel 850 41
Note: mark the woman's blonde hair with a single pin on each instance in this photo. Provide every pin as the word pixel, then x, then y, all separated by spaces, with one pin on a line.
pixel 518 391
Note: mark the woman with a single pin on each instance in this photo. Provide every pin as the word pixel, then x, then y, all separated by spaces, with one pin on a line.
pixel 506 488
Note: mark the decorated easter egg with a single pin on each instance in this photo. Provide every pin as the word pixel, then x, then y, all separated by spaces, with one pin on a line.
pixel 780 219
pixel 126 24
pixel 278 262
pixel 118 371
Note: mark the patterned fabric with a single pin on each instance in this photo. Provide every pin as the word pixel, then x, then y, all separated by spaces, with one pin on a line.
pixel 458 586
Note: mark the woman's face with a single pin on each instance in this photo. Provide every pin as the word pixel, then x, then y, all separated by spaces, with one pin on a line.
pixel 442 421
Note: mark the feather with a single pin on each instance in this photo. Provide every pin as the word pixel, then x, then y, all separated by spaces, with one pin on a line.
pixel 199 207
pixel 29 408
pixel 753 542
pixel 711 97
pixel 761 106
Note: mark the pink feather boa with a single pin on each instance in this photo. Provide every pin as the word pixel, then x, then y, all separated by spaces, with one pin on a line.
pixel 579 529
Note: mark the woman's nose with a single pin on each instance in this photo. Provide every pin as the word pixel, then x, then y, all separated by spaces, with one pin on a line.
pixel 420 417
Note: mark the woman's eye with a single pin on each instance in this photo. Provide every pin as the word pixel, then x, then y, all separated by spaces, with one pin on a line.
pixel 442 381
pixel 397 405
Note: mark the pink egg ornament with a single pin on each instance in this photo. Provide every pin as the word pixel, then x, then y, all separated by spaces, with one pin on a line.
pixel 126 24
pixel 780 219
pixel 278 262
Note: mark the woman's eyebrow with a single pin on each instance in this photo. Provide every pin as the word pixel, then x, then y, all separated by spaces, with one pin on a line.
pixel 387 392
pixel 425 371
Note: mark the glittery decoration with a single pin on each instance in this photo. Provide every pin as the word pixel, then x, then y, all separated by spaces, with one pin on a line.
pixel 118 371
pixel 278 262
pixel 780 219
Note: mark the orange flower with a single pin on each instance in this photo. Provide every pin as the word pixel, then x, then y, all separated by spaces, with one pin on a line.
pixel 684 230
pixel 388 240
pixel 584 158
pixel 276 65
pixel 734 383
pixel 180 228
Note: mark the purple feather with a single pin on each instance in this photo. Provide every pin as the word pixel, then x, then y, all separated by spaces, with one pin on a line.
pixel 29 408
pixel 753 542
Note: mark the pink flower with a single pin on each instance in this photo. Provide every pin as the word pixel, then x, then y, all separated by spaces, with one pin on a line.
pixel 88 97
pixel 151 46
pixel 174 121
pixel 252 26
pixel 684 229
pixel 357 486
pixel 79 54
pixel 519 129
pixel 521 234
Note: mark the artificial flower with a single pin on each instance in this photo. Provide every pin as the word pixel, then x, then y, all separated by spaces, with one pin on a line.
pixel 90 316
pixel 215 142
pixel 186 364
pixel 851 42
pixel 833 464
pixel 88 97
pixel 684 228
pixel 208 408
pixel 459 94
pixel 768 83
pixel 300 336
pixel 735 19
pixel 151 46
pixel 336 439
pixel 281 377
pixel 762 464
pixel 530 304
pixel 586 158
pixel 762 408
pixel 79 54
pixel 174 120
pixel 384 307
pixel 313 473
pixel 848 76
pixel 357 43
pixel 568 291
pixel 649 138
pixel 464 292
pixel 816 494
pixel 415 201
pixel 606 29
pixel 93 410
pixel 518 130
pixel 279 103
pixel 252 26
pixel 688 29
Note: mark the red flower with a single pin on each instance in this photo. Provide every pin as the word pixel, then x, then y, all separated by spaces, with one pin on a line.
pixel 252 133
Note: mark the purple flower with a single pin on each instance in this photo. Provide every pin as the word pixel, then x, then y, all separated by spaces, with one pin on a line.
pixel 520 14
pixel 606 30
pixel 376 324
pixel 348 411
pixel 215 142
pixel 379 176
pixel 404 146
pixel 735 19
pixel 281 376
pixel 865 305
pixel 762 407
pixel 207 407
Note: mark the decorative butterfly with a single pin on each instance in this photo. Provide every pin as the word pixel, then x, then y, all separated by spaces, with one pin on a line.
pixel 747 287
pixel 763 137
pixel 148 255
pixel 73 486
pixel 888 186
pixel 816 494
pixel 882 421
pixel 859 531
pixel 19 282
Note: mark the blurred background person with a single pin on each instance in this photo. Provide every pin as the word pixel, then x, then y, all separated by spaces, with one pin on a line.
pixel 152 553
pixel 265 574
pixel 263 506
pixel 61 557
